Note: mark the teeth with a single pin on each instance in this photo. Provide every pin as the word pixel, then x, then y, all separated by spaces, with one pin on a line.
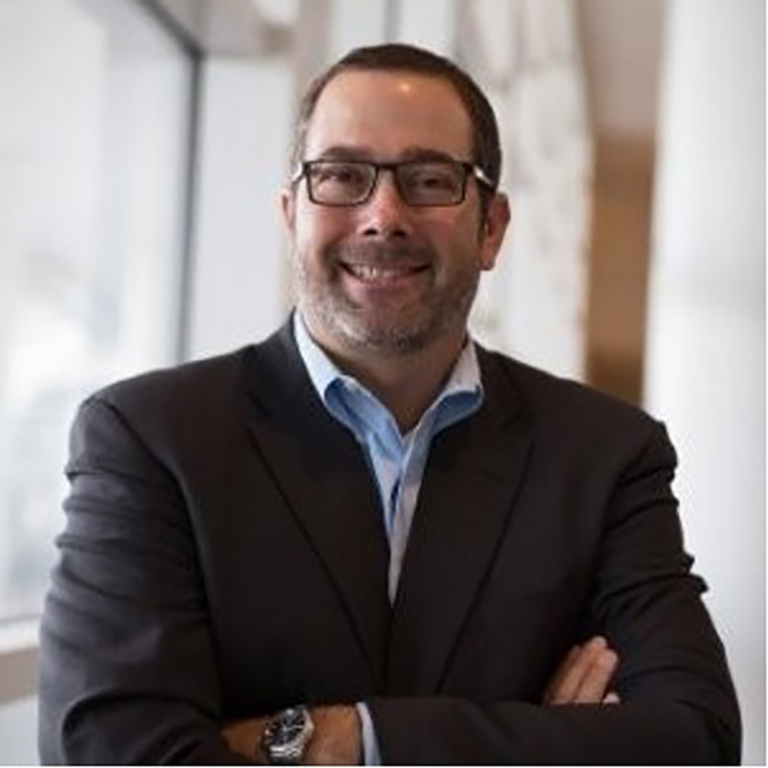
pixel 371 274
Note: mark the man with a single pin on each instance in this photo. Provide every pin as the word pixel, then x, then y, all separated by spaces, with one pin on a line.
pixel 367 538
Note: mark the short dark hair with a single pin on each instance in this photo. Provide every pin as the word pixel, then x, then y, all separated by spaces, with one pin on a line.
pixel 486 145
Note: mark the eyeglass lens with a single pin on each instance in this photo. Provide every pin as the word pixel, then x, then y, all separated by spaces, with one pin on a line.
pixel 419 183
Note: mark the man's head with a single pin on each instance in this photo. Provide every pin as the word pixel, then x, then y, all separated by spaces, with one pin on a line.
pixel 393 211
pixel 395 57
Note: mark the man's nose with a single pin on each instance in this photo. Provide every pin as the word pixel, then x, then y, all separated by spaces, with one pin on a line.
pixel 385 213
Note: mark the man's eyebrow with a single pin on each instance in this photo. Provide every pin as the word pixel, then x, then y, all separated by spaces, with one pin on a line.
pixel 345 152
pixel 426 153
pixel 349 152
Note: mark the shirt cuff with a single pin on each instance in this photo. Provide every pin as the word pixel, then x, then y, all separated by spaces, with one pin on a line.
pixel 371 752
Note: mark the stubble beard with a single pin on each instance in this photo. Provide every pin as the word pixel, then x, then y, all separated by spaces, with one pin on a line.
pixel 325 304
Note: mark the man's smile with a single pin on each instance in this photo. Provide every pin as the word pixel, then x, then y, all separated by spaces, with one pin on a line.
pixel 383 275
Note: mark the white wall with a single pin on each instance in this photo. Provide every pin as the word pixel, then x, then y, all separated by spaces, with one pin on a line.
pixel 18 732
pixel 239 273
pixel 706 342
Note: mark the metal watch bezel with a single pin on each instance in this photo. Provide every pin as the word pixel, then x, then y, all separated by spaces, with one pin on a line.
pixel 290 751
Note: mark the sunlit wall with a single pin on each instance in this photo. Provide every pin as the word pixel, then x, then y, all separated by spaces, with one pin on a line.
pixel 706 341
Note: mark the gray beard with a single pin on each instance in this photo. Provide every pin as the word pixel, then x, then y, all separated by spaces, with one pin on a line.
pixel 327 307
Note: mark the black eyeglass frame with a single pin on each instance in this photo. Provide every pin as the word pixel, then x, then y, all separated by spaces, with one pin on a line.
pixel 469 169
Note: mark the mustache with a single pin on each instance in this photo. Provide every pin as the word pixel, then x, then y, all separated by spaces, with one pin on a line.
pixel 378 254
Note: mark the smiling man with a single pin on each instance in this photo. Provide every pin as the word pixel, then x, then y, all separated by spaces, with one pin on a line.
pixel 367 539
pixel 389 234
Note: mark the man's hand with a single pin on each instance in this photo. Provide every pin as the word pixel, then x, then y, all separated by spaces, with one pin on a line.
pixel 584 676
pixel 336 740
pixel 244 737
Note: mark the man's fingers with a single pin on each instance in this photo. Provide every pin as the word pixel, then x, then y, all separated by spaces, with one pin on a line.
pixel 611 698
pixel 594 683
pixel 576 669
pixel 556 683
pixel 584 675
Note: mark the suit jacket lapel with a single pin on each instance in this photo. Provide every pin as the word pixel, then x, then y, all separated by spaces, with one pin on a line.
pixel 470 483
pixel 321 472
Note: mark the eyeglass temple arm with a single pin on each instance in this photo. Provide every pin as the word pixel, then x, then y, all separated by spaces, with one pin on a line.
pixel 481 175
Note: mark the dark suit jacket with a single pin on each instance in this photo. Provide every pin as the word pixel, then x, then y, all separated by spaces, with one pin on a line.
pixel 224 556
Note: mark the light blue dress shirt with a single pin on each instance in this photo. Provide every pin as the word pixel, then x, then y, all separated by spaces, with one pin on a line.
pixel 397 461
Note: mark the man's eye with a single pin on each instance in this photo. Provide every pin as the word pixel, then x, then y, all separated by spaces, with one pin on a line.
pixel 437 182
pixel 432 179
pixel 344 175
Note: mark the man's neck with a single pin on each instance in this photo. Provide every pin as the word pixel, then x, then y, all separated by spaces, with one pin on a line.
pixel 407 384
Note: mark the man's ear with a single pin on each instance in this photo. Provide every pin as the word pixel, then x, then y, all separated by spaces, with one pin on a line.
pixel 492 236
pixel 288 208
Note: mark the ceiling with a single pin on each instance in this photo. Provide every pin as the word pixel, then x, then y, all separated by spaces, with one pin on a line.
pixel 621 44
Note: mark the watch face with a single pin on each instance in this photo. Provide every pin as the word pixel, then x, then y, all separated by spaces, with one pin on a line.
pixel 287 726
pixel 286 735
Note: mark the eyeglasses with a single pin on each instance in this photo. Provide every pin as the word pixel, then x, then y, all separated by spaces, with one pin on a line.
pixel 420 183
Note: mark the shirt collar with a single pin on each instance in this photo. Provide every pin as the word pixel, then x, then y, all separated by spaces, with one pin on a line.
pixel 323 372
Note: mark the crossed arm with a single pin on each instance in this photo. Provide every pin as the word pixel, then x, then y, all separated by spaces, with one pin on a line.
pixel 128 669
pixel 583 677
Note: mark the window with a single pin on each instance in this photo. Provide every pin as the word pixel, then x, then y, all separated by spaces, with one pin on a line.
pixel 95 108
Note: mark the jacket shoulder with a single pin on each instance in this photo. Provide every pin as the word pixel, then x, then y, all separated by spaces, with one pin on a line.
pixel 164 387
pixel 568 409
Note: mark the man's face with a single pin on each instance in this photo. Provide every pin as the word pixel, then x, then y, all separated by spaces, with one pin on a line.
pixel 383 276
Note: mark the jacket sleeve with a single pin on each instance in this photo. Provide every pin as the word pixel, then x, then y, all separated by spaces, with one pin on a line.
pixel 678 703
pixel 127 669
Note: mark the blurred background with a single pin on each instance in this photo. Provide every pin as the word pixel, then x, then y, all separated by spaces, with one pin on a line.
pixel 142 147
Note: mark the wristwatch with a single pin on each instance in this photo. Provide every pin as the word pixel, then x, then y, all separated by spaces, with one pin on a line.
pixel 286 735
